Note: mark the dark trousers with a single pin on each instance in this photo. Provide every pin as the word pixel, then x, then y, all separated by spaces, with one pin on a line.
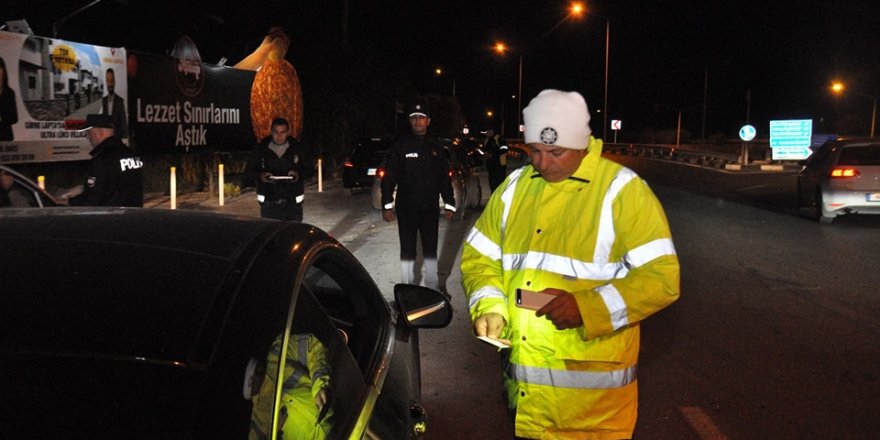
pixel 423 223
pixel 496 176
pixel 282 209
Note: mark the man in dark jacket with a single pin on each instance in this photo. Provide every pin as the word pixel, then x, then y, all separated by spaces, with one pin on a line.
pixel 416 166
pixel 279 165
pixel 115 171
pixel 496 159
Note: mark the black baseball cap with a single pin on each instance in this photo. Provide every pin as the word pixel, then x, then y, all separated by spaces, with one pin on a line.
pixel 95 120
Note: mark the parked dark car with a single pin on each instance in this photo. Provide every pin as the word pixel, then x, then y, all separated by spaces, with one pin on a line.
pixel 147 324
pixel 361 165
pixel 463 173
pixel 841 177
pixel 23 192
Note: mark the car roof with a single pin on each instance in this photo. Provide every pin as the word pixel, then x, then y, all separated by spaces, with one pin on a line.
pixel 140 282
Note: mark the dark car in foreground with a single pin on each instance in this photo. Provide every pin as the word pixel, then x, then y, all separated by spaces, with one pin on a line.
pixel 841 177
pixel 23 192
pixel 363 162
pixel 149 324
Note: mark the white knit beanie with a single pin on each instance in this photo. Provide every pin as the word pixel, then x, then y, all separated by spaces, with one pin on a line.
pixel 558 118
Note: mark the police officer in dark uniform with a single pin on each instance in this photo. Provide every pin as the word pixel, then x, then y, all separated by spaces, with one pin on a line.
pixel 496 159
pixel 279 165
pixel 115 171
pixel 416 166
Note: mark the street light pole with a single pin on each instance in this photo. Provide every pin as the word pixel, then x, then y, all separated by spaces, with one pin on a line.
pixel 519 98
pixel 874 116
pixel 607 53
pixel 838 88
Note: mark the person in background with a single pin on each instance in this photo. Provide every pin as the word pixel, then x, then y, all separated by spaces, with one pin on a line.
pixel 591 236
pixel 114 106
pixel 8 105
pixel 115 171
pixel 415 166
pixel 279 166
pixel 496 159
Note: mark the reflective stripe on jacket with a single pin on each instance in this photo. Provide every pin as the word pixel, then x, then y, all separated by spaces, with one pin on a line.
pixel 601 235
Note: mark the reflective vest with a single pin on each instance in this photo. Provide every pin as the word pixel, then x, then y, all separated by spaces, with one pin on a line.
pixel 306 373
pixel 601 235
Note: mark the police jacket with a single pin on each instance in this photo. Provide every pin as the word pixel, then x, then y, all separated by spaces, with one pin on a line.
pixel 297 158
pixel 495 150
pixel 115 177
pixel 417 166
pixel 600 235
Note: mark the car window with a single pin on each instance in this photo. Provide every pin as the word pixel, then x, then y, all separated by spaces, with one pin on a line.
pixel 369 153
pixel 20 196
pixel 860 155
pixel 312 377
pixel 326 357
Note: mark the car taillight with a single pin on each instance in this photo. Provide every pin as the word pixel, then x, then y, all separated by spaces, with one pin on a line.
pixel 380 173
pixel 451 173
pixel 348 163
pixel 844 172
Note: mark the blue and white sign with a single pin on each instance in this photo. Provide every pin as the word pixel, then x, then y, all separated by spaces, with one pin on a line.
pixel 747 132
pixel 791 133
pixel 791 139
pixel 791 153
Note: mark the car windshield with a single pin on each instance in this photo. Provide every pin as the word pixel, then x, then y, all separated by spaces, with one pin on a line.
pixel 370 152
pixel 864 155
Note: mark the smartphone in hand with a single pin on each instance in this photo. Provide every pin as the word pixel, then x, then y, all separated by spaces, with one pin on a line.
pixel 531 300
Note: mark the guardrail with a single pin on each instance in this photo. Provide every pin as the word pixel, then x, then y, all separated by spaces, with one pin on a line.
pixel 727 156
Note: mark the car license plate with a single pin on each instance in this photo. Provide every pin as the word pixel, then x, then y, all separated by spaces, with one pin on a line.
pixel 371 171
pixel 873 197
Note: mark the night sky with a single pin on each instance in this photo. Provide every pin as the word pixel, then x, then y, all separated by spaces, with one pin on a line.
pixel 782 54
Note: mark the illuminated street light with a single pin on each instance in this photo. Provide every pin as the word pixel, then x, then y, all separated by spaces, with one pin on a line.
pixel 439 72
pixel 838 88
pixel 578 9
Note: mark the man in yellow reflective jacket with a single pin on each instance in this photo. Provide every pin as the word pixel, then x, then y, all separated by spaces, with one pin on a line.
pixel 592 234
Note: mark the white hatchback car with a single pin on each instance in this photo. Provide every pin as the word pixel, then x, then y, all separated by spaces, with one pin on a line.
pixel 841 177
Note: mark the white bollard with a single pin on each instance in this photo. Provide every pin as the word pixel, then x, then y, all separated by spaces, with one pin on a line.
pixel 173 188
pixel 220 183
pixel 320 176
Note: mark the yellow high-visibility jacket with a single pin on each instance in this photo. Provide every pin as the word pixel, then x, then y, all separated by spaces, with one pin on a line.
pixel 306 373
pixel 601 235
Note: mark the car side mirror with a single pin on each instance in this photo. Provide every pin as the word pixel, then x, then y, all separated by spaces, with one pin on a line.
pixel 421 307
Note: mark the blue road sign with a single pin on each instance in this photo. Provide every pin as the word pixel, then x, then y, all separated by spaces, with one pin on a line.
pixel 791 133
pixel 747 132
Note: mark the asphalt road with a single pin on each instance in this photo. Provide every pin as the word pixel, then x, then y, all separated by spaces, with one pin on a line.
pixel 774 335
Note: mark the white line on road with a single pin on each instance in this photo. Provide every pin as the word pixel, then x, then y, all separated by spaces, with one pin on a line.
pixel 701 423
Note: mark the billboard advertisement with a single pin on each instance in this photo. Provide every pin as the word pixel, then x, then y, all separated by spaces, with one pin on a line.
pixel 181 105
pixel 159 103
pixel 45 82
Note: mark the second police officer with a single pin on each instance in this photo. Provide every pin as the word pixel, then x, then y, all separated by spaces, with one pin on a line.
pixel 417 168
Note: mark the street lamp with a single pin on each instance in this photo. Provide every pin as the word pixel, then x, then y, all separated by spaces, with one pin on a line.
pixel 501 49
pixel 578 9
pixel 838 87
pixel 439 72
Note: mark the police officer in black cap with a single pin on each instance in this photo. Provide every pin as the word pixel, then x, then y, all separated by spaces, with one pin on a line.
pixel 416 166
pixel 115 171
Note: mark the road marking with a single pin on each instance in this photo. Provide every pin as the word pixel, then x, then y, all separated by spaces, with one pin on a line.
pixel 701 423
